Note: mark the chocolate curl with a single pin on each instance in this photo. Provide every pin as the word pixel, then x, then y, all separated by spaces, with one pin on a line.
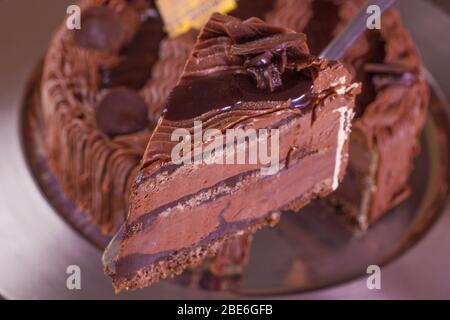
pixel 267 58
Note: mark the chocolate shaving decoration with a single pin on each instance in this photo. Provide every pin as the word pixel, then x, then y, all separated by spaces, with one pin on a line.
pixel 273 43
pixel 240 31
pixel 122 111
pixel 101 29
pixel 267 58
pixel 385 75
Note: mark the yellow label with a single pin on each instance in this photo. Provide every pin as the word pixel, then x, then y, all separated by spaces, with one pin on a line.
pixel 182 15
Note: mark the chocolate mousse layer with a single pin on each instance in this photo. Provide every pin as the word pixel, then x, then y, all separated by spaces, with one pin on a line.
pixel 240 75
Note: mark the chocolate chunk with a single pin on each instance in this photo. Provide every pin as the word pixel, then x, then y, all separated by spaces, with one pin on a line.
pixel 266 58
pixel 121 111
pixel 137 57
pixel 101 29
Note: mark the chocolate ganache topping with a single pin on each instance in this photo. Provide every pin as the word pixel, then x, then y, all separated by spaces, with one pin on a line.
pixel 241 61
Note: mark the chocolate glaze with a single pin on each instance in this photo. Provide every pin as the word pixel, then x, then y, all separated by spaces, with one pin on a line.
pixel 225 91
pixel 256 62
pixel 85 160
pixel 175 51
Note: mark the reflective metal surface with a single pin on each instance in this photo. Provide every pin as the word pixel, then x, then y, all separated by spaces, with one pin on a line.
pixel 36 245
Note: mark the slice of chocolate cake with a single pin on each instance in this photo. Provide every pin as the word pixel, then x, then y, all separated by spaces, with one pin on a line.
pixel 241 75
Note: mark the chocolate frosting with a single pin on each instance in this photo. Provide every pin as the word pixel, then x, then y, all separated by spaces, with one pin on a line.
pixel 91 148
pixel 392 114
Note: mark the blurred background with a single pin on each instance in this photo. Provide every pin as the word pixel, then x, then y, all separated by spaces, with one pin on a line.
pixel 24 42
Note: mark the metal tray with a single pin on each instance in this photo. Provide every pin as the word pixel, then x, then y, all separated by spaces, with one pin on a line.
pixel 309 255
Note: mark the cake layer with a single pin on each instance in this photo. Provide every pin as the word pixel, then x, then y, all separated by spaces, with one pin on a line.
pixel 241 75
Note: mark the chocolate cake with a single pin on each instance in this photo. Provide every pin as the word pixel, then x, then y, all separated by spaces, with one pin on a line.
pixel 390 112
pixel 122 56
pixel 97 120
pixel 240 75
